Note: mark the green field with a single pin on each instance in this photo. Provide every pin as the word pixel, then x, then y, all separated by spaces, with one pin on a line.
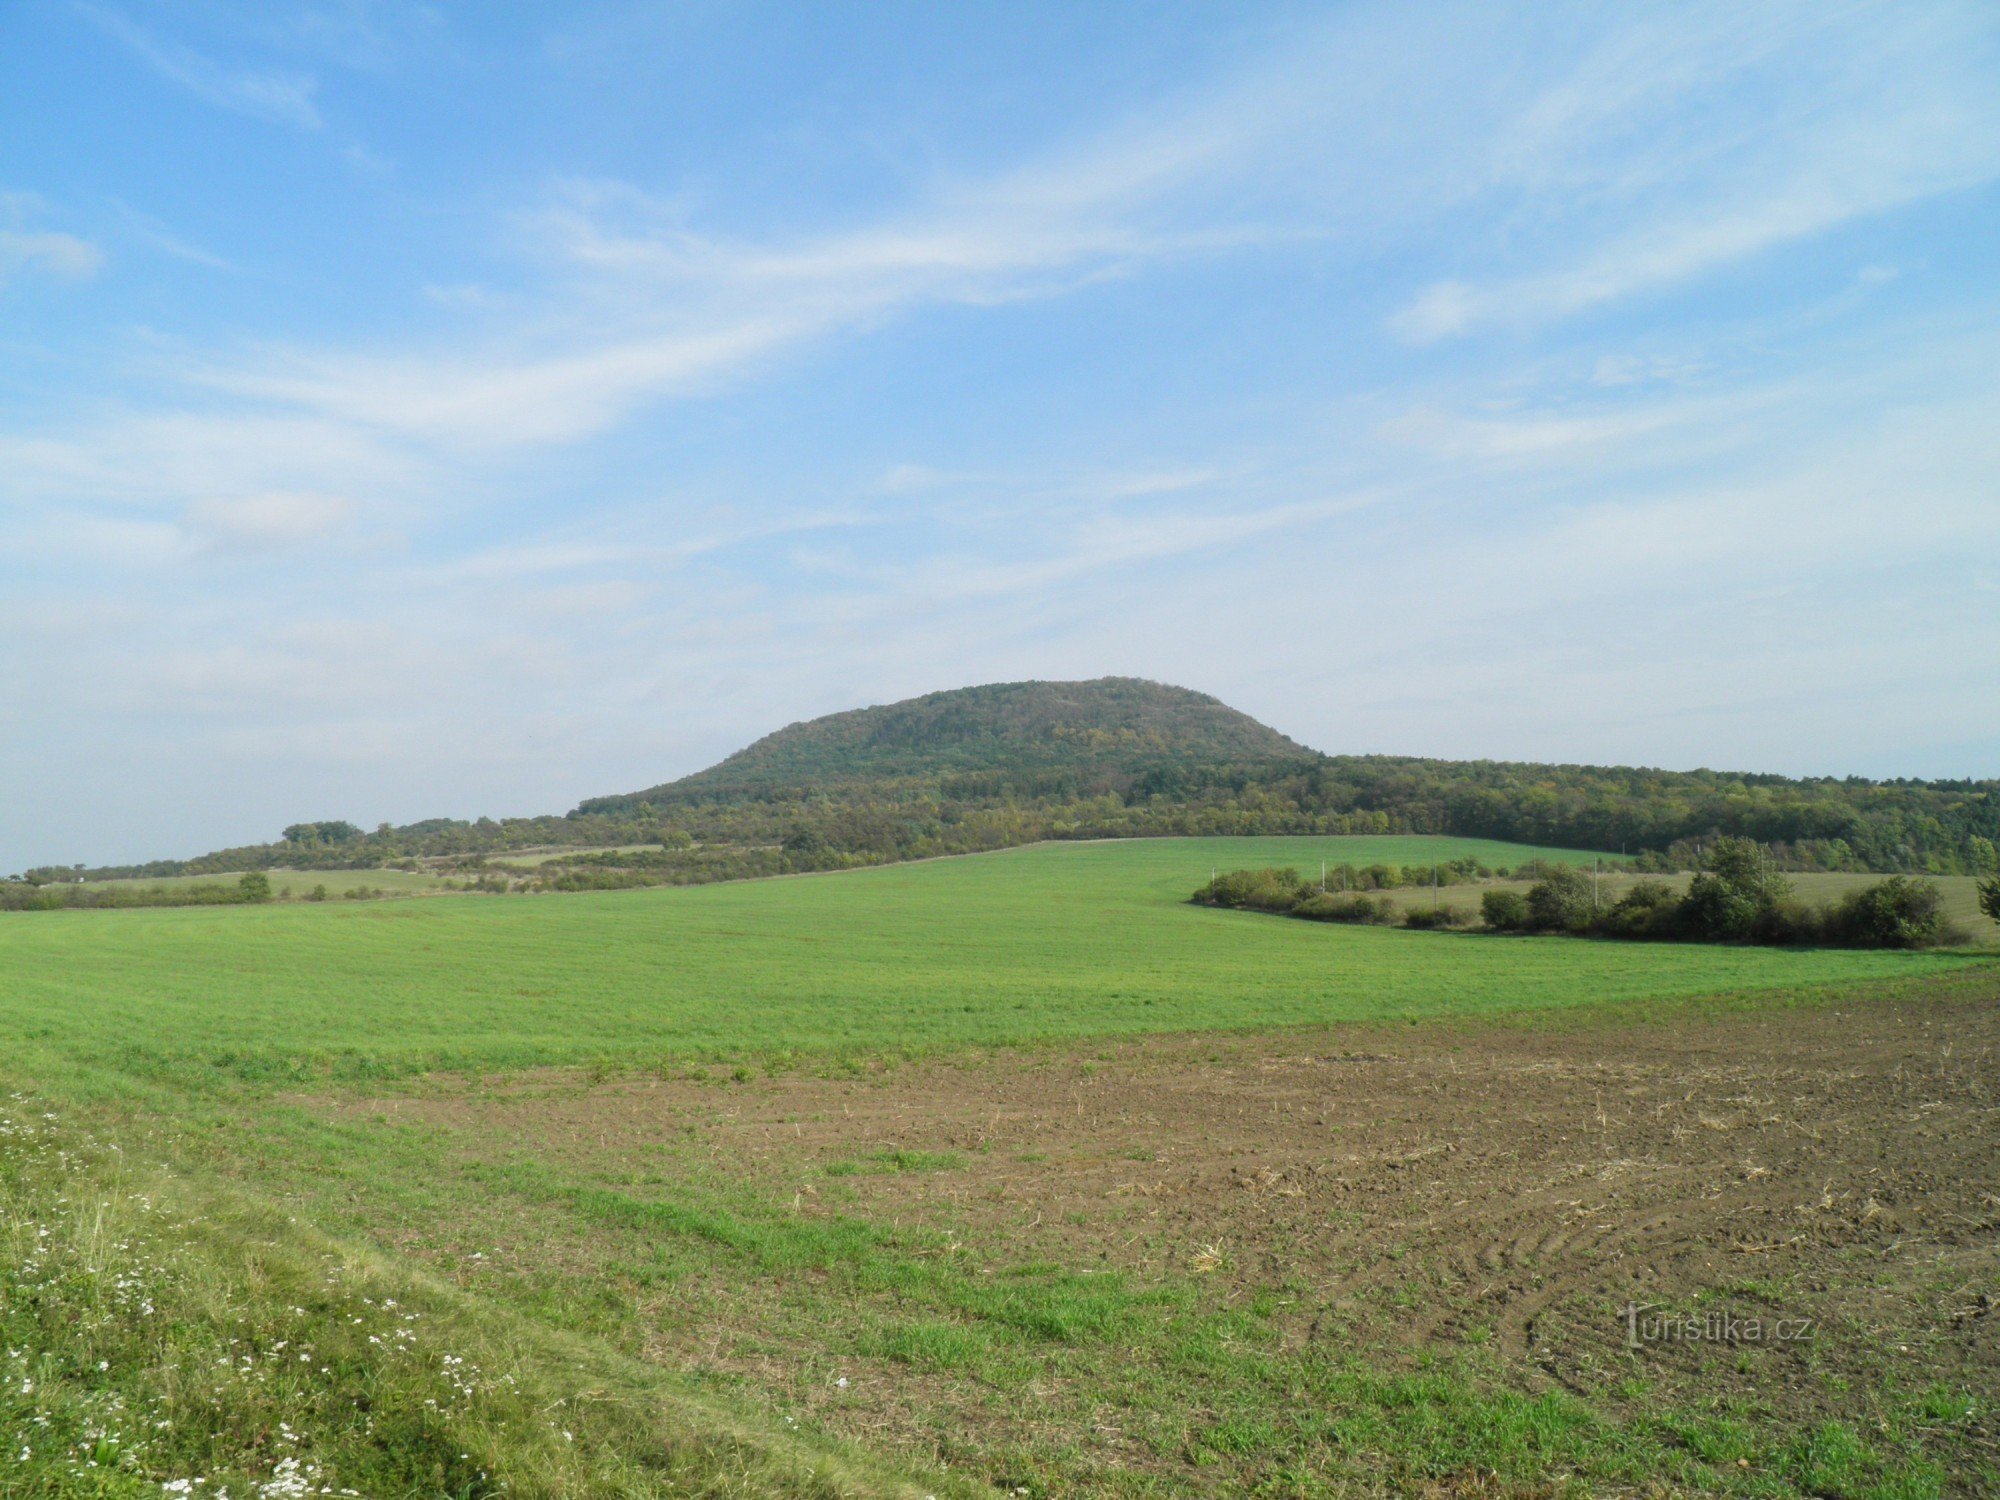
pixel 1022 946
pixel 205 1106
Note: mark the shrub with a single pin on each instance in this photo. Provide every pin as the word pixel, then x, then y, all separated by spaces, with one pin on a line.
pixel 1337 906
pixel 1560 900
pixel 1733 894
pixel 1504 911
pixel 1426 919
pixel 1649 910
pixel 1789 922
pixel 256 886
pixel 1258 890
pixel 1893 913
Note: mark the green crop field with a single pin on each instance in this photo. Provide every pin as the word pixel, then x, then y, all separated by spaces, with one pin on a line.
pixel 250 1223
pixel 1018 947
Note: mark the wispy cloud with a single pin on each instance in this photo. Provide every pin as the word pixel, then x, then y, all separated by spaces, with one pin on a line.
pixel 1125 401
pixel 47 250
pixel 275 521
pixel 1701 137
pixel 282 98
pixel 151 232
pixel 24 246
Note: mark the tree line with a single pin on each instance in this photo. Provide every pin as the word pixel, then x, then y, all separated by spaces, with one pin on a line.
pixel 250 889
pixel 1736 897
pixel 1668 820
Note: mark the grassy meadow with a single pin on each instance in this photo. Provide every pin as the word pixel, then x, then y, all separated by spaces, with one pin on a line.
pixel 1020 947
pixel 230 1249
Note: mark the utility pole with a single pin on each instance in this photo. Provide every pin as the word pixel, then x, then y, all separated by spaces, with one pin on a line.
pixel 1322 877
pixel 1593 884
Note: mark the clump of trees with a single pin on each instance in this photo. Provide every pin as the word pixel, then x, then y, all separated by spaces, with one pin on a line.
pixel 1735 898
pixel 1286 893
pixel 16 895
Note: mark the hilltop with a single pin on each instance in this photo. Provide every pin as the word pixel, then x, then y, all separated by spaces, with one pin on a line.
pixel 1094 733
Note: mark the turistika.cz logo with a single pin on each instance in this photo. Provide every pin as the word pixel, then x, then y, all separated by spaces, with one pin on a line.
pixel 1644 1326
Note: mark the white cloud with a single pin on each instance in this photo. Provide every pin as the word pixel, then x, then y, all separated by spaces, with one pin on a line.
pixel 150 231
pixel 1530 436
pixel 1701 137
pixel 25 247
pixel 1535 547
pixel 167 460
pixel 274 521
pixel 280 98
pixel 47 250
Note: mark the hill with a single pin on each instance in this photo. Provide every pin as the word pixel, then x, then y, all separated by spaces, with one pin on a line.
pixel 1030 733
pixel 1012 763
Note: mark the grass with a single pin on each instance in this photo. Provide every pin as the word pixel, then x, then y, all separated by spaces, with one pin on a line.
pixel 161 1338
pixel 1022 947
pixel 536 857
pixel 665 1327
pixel 298 882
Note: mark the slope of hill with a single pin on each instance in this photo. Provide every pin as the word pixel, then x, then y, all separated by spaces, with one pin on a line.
pixel 1035 733
pixel 1011 763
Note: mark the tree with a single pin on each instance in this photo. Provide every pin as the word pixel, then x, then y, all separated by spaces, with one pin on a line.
pixel 1560 900
pixel 1504 911
pixel 335 832
pixel 1989 898
pixel 1893 913
pixel 255 886
pixel 1734 891
pixel 1648 910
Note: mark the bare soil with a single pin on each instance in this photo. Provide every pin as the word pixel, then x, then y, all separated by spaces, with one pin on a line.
pixel 1504 1188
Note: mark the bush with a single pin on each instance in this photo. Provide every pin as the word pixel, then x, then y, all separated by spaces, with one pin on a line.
pixel 256 886
pixel 1256 890
pixel 1649 910
pixel 1893 913
pixel 1736 899
pixel 1560 900
pixel 1733 896
pixel 1790 923
pixel 1429 919
pixel 1336 906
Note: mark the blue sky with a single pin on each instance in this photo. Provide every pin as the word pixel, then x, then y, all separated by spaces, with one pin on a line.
pixel 411 410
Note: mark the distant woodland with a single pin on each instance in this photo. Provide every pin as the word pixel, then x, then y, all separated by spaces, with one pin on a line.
pixel 985 768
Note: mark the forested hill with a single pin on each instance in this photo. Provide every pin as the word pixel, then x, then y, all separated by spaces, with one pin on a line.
pixel 987 767
pixel 1063 736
